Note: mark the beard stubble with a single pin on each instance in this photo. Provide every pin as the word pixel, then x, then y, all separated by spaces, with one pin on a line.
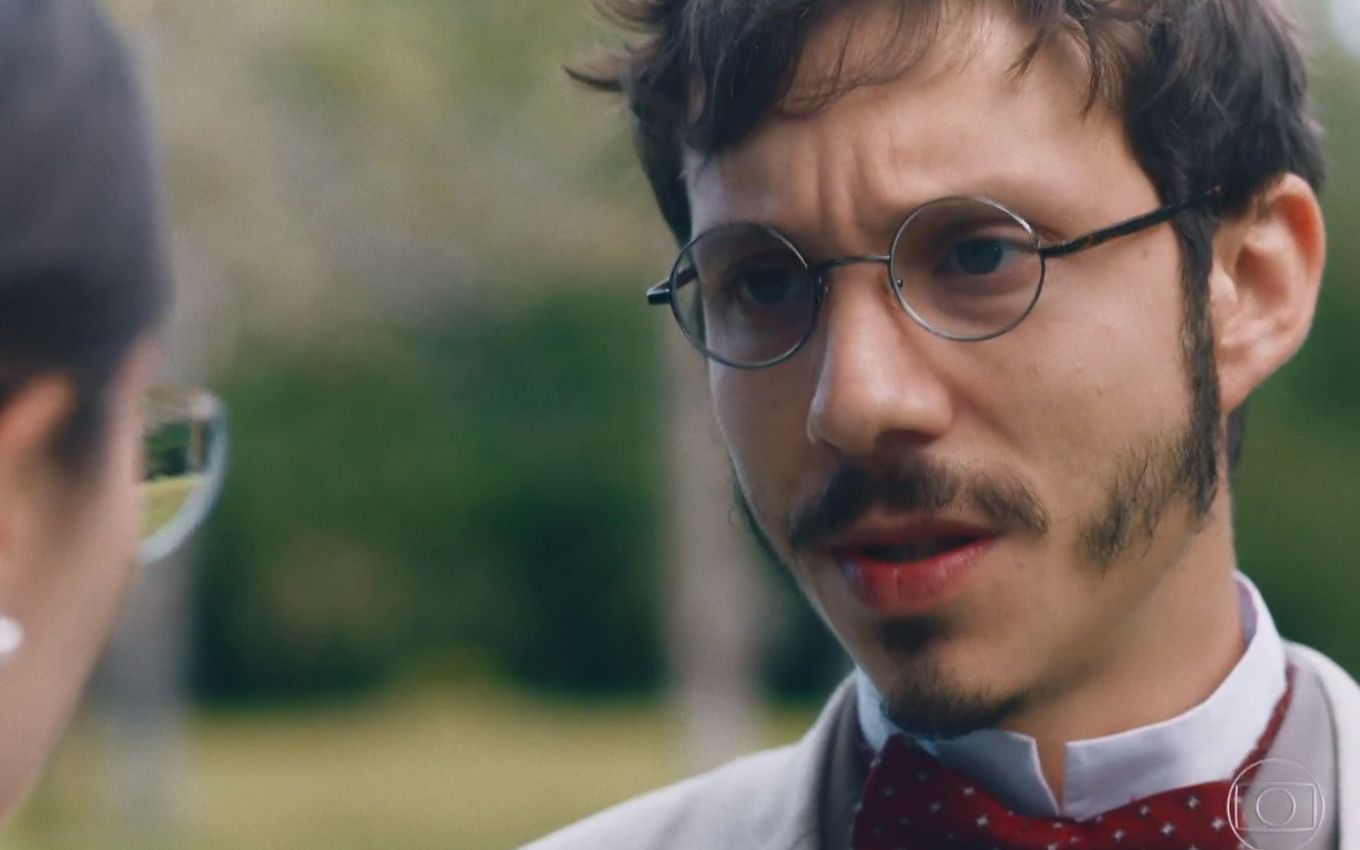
pixel 1150 480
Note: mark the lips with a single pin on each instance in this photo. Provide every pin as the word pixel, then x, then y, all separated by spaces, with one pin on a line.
pixel 916 550
pixel 911 567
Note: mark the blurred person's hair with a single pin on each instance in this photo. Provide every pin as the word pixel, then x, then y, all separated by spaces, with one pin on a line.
pixel 1212 93
pixel 81 270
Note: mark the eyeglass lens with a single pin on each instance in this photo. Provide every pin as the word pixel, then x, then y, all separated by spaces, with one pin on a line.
pixel 185 446
pixel 966 269
pixel 744 295
pixel 962 267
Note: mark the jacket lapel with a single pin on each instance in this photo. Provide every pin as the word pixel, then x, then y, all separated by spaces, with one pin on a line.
pixel 817 789
pixel 1343 699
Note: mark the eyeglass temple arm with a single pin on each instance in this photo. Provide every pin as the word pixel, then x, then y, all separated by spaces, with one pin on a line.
pixel 1124 228
pixel 661 291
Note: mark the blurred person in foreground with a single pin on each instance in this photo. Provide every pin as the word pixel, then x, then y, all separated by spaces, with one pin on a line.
pixel 984 289
pixel 81 289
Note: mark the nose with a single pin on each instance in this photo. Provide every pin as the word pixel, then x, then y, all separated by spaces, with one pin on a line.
pixel 875 381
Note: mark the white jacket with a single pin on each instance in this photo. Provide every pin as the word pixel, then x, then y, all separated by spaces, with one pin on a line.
pixel 801 797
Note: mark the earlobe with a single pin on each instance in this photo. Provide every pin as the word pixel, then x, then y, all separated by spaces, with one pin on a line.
pixel 1264 285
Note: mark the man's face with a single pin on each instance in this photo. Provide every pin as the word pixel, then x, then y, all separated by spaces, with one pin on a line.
pixel 984 525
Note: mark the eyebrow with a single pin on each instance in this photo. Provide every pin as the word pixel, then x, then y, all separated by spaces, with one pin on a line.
pixel 801 236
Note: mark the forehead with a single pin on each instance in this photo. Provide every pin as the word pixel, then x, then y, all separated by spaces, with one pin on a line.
pixel 958 118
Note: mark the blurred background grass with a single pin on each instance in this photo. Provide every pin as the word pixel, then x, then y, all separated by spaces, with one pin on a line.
pixel 429 610
pixel 417 769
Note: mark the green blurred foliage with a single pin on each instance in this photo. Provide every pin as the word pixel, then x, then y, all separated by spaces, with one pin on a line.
pixel 165 449
pixel 480 487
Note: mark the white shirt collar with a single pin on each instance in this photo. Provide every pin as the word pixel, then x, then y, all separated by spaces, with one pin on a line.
pixel 1204 744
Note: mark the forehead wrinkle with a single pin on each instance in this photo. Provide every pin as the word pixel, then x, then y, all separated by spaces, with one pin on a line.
pixel 760 180
pixel 843 191
pixel 829 190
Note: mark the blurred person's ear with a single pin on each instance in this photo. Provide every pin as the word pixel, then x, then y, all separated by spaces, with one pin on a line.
pixel 1263 289
pixel 29 422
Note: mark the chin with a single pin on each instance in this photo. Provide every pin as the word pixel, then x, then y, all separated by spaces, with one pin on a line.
pixel 929 689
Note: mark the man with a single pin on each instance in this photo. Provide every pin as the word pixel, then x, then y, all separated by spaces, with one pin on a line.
pixel 984 289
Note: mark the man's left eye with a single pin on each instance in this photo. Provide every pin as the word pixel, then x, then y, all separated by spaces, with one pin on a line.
pixel 983 255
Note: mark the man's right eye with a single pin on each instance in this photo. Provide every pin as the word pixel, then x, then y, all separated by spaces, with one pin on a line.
pixel 764 287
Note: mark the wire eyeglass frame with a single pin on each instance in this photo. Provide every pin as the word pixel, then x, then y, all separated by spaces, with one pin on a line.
pixel 663 292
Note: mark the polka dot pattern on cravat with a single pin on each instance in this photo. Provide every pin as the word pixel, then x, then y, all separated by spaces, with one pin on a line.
pixel 911 801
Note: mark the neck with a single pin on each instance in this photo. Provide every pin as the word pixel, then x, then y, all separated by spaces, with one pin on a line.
pixel 1182 643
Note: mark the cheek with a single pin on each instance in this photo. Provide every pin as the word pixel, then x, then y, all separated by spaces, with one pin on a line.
pixel 1112 354
pixel 129 497
pixel 763 419
pixel 120 492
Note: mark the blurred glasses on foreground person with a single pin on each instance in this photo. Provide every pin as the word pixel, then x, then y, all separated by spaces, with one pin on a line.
pixel 86 444
pixel 184 444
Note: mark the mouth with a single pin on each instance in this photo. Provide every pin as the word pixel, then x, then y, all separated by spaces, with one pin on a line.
pixel 912 551
pixel 911 568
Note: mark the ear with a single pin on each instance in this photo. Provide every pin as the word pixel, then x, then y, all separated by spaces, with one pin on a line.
pixel 29 420
pixel 1264 285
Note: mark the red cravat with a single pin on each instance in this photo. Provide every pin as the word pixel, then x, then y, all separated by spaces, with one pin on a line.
pixel 913 802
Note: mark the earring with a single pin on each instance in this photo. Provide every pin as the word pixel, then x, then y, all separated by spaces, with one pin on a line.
pixel 11 638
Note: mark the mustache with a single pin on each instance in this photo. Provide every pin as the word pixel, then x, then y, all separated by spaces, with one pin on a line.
pixel 905 480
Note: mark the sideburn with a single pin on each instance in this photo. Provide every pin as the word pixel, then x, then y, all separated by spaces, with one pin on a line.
pixel 1152 477
pixel 1200 459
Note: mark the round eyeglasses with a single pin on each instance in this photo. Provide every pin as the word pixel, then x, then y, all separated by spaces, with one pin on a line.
pixel 963 268
pixel 184 442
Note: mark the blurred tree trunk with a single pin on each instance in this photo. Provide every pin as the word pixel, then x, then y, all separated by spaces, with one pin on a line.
pixel 142 687
pixel 140 705
pixel 716 597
